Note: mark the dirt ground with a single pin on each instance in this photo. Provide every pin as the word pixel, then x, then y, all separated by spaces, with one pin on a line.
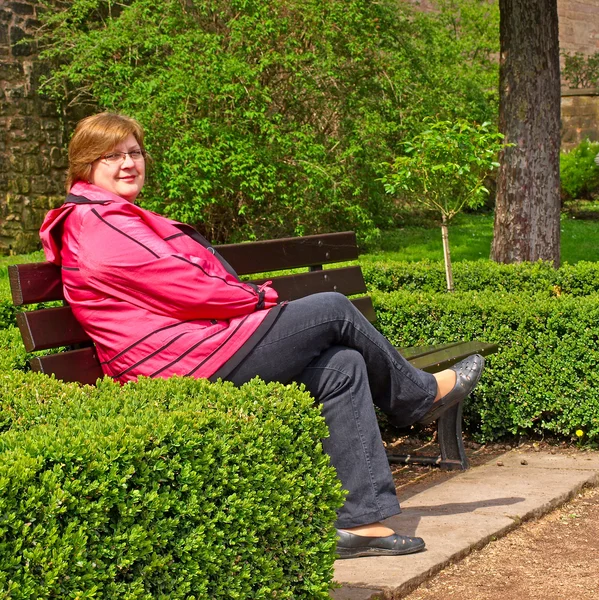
pixel 553 558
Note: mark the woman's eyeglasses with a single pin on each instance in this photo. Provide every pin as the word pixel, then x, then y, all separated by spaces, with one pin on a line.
pixel 113 158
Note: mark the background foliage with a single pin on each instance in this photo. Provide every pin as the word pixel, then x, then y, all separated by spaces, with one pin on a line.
pixel 579 174
pixel 267 117
pixel 580 70
pixel 444 167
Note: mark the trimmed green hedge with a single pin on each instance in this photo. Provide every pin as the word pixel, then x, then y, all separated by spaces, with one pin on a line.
pixel 12 351
pixel 163 489
pixel 7 313
pixel 580 279
pixel 185 489
pixel 545 377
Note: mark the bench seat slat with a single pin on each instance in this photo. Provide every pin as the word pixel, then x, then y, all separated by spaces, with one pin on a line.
pixel 50 328
pixel 290 253
pixel 433 362
pixel 418 351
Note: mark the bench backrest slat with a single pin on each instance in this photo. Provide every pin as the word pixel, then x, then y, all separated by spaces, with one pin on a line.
pixel 74 365
pixel 53 327
pixel 289 253
pixel 365 306
pixel 345 280
pixel 50 328
pixel 35 282
pixel 40 282
pixel 82 364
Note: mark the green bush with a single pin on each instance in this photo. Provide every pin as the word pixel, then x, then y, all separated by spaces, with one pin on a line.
pixel 7 313
pixel 272 117
pixel 163 489
pixel 580 279
pixel 12 352
pixel 545 377
pixel 580 70
pixel 579 175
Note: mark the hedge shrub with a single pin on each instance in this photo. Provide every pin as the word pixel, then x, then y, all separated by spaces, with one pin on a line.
pixel 7 313
pixel 545 377
pixel 163 489
pixel 12 351
pixel 580 279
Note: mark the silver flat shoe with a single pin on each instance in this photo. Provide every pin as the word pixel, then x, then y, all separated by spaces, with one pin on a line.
pixel 468 372
pixel 351 545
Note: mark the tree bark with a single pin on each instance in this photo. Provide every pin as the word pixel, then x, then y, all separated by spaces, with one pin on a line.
pixel 527 213
pixel 447 254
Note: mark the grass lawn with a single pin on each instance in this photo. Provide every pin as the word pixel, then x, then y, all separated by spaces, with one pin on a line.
pixel 470 238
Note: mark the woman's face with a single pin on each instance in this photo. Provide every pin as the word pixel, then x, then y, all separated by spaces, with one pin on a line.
pixel 125 176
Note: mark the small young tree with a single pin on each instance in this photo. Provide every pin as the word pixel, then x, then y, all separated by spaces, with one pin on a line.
pixel 444 168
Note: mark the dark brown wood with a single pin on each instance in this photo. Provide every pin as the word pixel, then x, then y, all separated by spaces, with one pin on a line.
pixel 365 306
pixel 290 253
pixel 50 328
pixel 418 351
pixel 433 362
pixel 80 366
pixel 346 280
pixel 35 282
pixel 40 282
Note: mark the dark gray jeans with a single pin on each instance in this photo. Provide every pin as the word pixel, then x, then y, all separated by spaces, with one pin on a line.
pixel 323 342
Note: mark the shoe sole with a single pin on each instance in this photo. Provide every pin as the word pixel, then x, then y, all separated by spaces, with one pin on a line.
pixel 369 551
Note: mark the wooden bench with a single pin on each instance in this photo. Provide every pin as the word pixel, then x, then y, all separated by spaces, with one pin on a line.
pixel 51 328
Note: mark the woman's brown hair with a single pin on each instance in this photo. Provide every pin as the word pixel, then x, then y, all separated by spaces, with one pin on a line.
pixel 95 136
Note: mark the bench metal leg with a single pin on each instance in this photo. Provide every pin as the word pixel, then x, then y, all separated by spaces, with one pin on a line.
pixel 449 434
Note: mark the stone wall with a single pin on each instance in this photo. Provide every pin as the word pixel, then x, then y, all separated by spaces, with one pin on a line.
pixel 579 25
pixel 32 159
pixel 580 117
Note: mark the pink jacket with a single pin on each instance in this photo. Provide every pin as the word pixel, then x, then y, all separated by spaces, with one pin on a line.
pixel 150 291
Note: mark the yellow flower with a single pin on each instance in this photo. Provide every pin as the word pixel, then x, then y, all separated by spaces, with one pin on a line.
pixel 579 432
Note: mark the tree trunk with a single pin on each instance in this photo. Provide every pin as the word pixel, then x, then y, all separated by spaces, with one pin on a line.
pixel 447 255
pixel 527 213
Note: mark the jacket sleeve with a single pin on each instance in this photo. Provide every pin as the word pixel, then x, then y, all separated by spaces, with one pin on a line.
pixel 122 257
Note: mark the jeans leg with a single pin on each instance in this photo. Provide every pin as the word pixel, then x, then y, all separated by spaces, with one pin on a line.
pixel 346 364
pixel 339 379
pixel 309 326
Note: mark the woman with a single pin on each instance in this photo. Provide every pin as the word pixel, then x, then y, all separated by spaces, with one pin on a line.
pixel 159 301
